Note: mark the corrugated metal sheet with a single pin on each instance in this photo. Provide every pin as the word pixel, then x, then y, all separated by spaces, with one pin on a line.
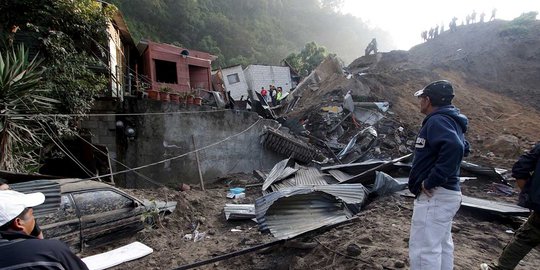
pixel 493 206
pixel 287 183
pixel 295 215
pixel 309 176
pixel 263 203
pixel 356 168
pixel 367 116
pixel 280 171
pixel 239 211
pixel 350 194
pixel 49 188
pixel 303 177
pixel 482 204
pixel 339 175
pixel 483 170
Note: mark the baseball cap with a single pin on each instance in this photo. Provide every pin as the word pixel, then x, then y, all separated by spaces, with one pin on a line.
pixel 439 91
pixel 442 88
pixel 13 203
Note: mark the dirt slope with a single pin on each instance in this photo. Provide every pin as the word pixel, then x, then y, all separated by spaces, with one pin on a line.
pixel 496 76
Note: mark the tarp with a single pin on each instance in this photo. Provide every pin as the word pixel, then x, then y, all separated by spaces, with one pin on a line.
pixel 385 184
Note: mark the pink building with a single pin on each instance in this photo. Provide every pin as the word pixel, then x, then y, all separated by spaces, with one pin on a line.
pixel 178 68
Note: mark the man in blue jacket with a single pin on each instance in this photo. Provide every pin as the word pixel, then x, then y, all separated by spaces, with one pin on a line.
pixel 526 171
pixel 434 178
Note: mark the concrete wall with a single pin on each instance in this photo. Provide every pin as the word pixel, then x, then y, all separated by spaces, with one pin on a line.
pixel 103 128
pixel 258 76
pixel 238 89
pixel 166 136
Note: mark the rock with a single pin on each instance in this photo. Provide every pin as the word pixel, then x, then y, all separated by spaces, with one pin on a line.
pixel 366 240
pixel 399 264
pixel 389 144
pixel 298 263
pixel 456 229
pixel 353 250
pixel 211 232
pixel 397 138
pixel 505 145
pixel 403 149
pixel 201 220
pixel 184 187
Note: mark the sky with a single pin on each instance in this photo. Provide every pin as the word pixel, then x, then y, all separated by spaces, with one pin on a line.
pixel 406 19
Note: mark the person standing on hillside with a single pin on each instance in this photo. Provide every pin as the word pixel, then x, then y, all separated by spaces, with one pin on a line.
pixel 273 93
pixel 21 243
pixel 526 171
pixel 279 95
pixel 434 178
pixel 493 12
pixel 264 94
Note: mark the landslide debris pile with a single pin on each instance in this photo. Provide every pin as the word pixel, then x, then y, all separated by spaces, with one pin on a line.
pixel 494 69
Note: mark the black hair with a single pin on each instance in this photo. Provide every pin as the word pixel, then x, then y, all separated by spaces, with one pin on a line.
pixel 440 100
pixel 6 226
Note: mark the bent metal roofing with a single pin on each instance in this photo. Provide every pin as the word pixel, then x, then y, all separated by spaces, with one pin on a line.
pixel 293 211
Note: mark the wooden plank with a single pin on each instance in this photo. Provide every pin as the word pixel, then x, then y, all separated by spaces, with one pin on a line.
pixel 198 163
pixel 117 256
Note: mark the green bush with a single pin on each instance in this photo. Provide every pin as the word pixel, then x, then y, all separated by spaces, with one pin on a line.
pixel 519 26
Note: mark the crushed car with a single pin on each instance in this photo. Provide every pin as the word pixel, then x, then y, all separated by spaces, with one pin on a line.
pixel 86 214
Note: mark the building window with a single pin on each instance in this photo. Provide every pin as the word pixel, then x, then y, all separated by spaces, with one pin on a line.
pixel 166 72
pixel 233 78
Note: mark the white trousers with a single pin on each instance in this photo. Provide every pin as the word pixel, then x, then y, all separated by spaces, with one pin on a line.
pixel 430 243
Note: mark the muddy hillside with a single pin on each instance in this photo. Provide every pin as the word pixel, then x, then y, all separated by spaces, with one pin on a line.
pixel 494 68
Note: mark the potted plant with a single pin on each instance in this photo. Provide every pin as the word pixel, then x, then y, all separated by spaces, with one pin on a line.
pixel 152 94
pixel 189 98
pixel 182 98
pixel 175 97
pixel 164 93
pixel 197 100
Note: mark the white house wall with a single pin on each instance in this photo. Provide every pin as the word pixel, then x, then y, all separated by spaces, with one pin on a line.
pixel 238 89
pixel 258 76
pixel 115 61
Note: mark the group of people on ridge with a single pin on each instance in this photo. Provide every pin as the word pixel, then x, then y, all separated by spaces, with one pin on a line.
pixel 273 95
pixel 469 19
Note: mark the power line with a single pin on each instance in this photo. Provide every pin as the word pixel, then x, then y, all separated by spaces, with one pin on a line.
pixel 125 166
pixel 66 151
pixel 111 114
pixel 179 156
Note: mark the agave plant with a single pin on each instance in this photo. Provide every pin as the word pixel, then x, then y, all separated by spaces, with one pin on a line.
pixel 22 104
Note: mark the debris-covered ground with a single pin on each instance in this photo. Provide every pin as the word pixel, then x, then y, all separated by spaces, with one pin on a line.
pixel 379 122
pixel 377 239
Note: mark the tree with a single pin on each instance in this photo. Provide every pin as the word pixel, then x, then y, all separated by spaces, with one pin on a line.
pixel 20 95
pixel 308 59
pixel 69 37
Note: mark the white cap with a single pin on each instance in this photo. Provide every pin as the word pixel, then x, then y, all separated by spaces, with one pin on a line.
pixel 13 203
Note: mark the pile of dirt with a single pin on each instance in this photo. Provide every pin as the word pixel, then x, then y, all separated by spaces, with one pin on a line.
pixel 493 67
